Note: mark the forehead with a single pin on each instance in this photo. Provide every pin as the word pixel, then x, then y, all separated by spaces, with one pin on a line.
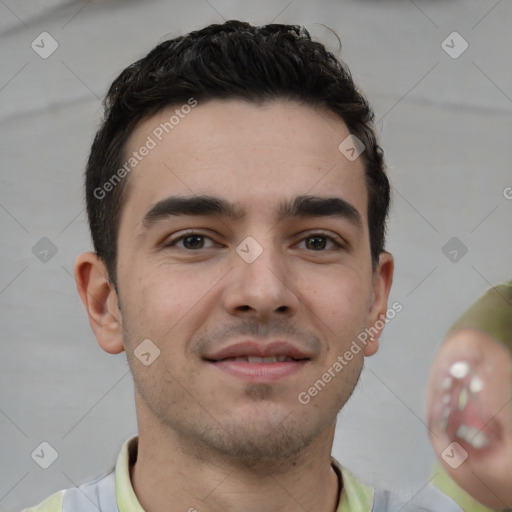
pixel 252 155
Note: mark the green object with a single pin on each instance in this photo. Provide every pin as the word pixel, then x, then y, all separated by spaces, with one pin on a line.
pixel 447 485
pixel 491 314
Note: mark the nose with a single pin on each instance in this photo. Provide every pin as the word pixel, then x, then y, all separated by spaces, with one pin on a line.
pixel 261 288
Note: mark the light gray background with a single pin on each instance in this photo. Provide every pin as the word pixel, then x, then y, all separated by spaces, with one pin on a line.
pixel 445 125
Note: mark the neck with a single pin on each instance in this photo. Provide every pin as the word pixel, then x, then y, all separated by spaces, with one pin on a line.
pixel 171 473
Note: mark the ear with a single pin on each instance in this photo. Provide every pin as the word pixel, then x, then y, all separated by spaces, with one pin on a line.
pixel 100 300
pixel 382 279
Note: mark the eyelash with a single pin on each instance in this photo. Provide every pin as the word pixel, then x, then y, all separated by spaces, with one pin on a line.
pixel 173 242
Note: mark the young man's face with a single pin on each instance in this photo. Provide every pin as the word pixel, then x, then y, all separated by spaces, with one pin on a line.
pixel 237 289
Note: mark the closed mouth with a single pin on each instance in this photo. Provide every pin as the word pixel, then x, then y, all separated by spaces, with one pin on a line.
pixel 259 360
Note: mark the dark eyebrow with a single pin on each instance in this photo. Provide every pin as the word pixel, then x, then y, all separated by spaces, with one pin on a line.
pixel 204 205
pixel 191 205
pixel 316 206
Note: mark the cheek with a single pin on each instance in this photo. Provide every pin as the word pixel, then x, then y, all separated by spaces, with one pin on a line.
pixel 340 297
pixel 154 305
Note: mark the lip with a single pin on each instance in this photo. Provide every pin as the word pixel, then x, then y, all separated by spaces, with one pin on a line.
pixel 256 348
pixel 262 372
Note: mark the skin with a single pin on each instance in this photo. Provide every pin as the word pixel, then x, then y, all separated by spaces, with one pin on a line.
pixel 487 472
pixel 209 439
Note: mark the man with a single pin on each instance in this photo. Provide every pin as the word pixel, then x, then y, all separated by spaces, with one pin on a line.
pixel 237 201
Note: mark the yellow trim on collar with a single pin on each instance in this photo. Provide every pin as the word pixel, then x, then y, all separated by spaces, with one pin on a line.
pixel 126 499
pixel 355 496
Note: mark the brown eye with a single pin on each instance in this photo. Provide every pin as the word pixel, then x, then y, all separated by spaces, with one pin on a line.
pixel 318 242
pixel 191 241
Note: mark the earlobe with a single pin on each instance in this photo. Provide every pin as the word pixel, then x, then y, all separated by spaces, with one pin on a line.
pixel 382 280
pixel 371 347
pixel 100 300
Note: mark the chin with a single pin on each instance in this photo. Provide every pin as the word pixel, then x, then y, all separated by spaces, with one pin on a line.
pixel 265 436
